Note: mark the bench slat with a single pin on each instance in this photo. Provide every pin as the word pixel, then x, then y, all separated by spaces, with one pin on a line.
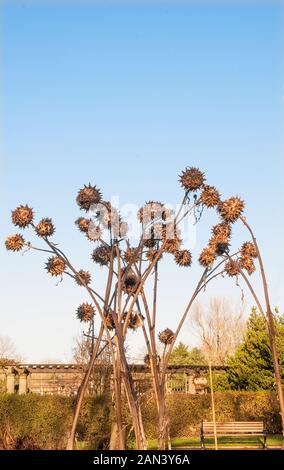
pixel 234 428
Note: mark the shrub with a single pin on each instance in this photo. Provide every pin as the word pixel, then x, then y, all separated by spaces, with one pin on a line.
pixel 187 411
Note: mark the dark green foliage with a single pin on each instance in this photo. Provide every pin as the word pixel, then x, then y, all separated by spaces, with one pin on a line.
pixel 182 356
pixel 37 422
pixel 95 422
pixel 32 421
pixel 187 411
pixel 251 367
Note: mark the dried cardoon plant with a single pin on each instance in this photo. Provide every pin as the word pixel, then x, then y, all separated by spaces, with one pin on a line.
pixel 126 305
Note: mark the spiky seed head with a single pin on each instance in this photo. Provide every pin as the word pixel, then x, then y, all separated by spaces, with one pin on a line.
pixel 119 230
pixel 151 255
pixel 85 312
pixel 210 196
pixel 94 232
pixel 249 249
pixel 149 242
pixel 83 224
pixel 171 238
pixel 45 228
pixel 101 255
pixel 223 229
pixel 166 336
pixel 246 262
pixel 220 243
pixel 192 179
pixel 231 209
pixel 134 321
pixel 207 256
pixel 87 196
pixel 213 242
pixel 183 258
pixel 152 210
pixel 122 229
pixel 14 242
pixel 232 268
pixel 22 216
pixel 172 246
pixel 130 282
pixel 83 278
pixel 131 255
pixel 109 320
pixel 222 248
pixel 108 215
pixel 55 265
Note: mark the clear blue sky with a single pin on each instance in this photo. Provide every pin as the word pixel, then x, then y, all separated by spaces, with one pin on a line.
pixel 125 97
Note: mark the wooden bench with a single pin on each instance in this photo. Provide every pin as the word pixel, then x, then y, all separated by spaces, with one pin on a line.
pixel 233 428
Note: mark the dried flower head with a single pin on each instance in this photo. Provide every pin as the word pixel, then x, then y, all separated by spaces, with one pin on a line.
pixel 232 268
pixel 22 216
pixel 223 230
pixel 150 242
pixel 246 262
pixel 207 256
pixel 249 249
pixel 231 209
pixel 14 242
pixel 131 255
pixel 166 336
pixel 108 215
pixel 85 312
pixel 87 196
pixel 151 255
pixel 122 229
pixel 45 228
pixel 171 237
pixel 130 282
pixel 183 257
pixel 210 196
pixel 153 210
pixel 83 224
pixel 101 255
pixel 220 243
pixel 55 266
pixel 109 320
pixel 95 232
pixel 83 278
pixel 134 320
pixel 192 179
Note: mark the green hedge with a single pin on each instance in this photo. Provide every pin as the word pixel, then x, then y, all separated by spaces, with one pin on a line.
pixel 37 422
pixel 187 411
pixel 43 422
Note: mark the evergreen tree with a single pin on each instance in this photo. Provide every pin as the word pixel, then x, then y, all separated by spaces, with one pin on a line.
pixel 251 367
pixel 182 356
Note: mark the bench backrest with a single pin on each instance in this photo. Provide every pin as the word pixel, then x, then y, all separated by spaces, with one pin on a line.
pixel 233 427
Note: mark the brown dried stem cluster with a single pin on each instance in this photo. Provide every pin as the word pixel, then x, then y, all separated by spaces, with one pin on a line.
pixel 124 305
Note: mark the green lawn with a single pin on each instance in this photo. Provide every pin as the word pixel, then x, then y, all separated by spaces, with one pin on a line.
pixel 273 440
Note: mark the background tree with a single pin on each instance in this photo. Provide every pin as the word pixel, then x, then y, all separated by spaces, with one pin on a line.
pixel 8 352
pixel 220 328
pixel 99 382
pixel 251 367
pixel 182 355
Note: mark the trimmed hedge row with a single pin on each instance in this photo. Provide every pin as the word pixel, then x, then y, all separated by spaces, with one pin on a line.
pixel 187 411
pixel 43 422
pixel 37 422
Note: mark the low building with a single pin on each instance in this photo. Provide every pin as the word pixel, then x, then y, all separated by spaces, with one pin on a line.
pixel 65 379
